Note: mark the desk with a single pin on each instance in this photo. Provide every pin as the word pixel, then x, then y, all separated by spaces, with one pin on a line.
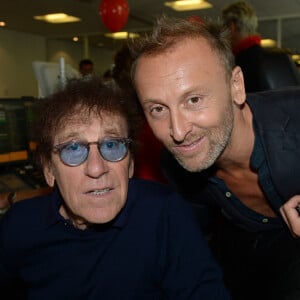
pixel 23 179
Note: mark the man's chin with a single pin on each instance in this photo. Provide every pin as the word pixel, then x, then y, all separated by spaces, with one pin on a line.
pixel 187 164
pixel 193 165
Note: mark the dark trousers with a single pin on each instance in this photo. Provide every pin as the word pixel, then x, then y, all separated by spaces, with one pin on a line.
pixel 264 265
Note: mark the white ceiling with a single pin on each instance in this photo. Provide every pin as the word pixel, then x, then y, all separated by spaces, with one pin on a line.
pixel 18 14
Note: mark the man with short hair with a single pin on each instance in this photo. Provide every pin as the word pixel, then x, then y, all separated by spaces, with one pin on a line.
pixel 86 67
pixel 237 152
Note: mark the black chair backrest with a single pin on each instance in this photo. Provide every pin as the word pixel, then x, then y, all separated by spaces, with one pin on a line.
pixel 277 70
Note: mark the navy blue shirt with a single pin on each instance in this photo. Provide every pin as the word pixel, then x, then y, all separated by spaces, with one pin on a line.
pixel 239 213
pixel 153 249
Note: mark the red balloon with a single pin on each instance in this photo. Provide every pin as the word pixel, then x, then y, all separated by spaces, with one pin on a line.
pixel 114 14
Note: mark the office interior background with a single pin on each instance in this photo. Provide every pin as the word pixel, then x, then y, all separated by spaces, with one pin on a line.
pixel 24 39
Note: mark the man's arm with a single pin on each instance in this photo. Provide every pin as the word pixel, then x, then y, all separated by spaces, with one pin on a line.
pixel 291 216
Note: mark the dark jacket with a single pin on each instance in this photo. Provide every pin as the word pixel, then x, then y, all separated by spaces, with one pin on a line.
pixel 277 115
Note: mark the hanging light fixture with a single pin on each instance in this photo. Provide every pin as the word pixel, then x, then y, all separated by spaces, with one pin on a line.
pixel 184 5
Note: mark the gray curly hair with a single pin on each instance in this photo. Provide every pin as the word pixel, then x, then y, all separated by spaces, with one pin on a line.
pixel 242 15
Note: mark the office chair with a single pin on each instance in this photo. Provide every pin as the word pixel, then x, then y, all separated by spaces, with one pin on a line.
pixel 277 70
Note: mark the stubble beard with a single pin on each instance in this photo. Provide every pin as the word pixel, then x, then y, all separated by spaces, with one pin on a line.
pixel 218 139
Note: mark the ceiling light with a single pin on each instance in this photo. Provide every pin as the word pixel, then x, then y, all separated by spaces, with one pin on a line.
pixel 75 38
pixel 268 43
pixel 122 35
pixel 182 5
pixel 2 24
pixel 57 18
pixel 296 57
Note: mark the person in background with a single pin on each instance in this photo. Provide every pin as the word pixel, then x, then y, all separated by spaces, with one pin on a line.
pixel 102 234
pixel 107 75
pixel 237 153
pixel 86 68
pixel 242 21
pixel 263 68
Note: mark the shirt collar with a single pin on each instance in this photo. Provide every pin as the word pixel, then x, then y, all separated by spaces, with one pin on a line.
pixel 258 156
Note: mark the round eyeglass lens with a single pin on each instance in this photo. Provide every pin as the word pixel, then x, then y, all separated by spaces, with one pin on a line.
pixel 74 154
pixel 113 150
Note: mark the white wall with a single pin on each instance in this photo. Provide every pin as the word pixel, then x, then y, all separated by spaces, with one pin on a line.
pixel 19 50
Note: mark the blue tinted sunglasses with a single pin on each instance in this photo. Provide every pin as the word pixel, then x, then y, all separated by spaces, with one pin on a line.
pixel 75 153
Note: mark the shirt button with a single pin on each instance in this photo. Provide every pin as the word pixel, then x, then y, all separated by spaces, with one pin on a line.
pixel 228 194
pixel 265 220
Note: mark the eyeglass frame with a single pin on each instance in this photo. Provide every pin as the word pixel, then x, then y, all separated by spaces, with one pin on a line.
pixel 59 148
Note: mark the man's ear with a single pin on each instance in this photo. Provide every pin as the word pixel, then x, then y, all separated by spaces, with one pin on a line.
pixel 48 173
pixel 237 86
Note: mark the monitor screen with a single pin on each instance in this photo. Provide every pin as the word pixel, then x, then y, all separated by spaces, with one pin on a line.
pixel 16 129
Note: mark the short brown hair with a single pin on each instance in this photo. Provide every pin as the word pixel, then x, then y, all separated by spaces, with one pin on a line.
pixel 169 31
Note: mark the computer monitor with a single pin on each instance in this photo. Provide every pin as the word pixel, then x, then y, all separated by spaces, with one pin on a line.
pixel 18 170
pixel 52 76
pixel 16 129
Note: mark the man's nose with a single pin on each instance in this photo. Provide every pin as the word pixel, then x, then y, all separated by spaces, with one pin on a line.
pixel 180 126
pixel 96 165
